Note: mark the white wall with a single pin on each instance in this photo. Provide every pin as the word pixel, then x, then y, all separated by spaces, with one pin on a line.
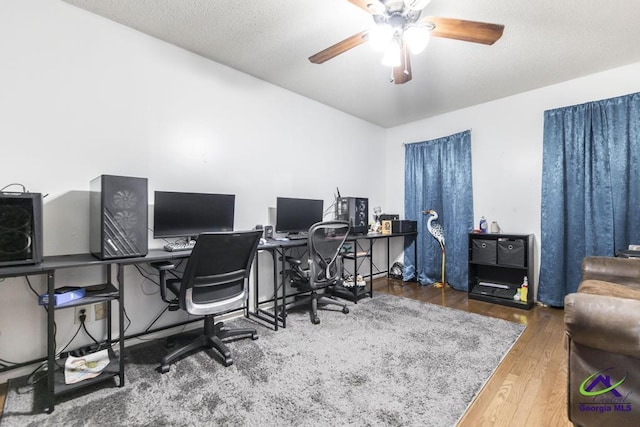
pixel 82 96
pixel 506 145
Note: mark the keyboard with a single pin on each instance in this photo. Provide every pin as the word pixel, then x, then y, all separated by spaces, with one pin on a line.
pixel 494 291
pixel 298 236
pixel 172 247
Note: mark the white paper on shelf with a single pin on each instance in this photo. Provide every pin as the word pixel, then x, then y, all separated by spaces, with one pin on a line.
pixel 77 369
pixel 494 285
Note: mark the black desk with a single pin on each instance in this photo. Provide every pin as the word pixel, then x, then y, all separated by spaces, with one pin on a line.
pixel 279 248
pixel 50 264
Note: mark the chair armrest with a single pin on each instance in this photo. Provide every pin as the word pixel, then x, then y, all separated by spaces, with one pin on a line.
pixel 603 322
pixel 297 262
pixel 163 267
pixel 625 271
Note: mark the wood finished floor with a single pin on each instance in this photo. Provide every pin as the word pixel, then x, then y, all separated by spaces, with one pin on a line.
pixel 529 386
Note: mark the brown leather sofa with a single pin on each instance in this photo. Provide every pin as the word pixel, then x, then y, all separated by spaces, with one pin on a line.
pixel 602 323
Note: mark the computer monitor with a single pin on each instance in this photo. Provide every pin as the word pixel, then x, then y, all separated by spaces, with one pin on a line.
pixel 177 214
pixel 297 215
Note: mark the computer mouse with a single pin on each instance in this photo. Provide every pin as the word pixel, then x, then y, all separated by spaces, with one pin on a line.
pixel 263 241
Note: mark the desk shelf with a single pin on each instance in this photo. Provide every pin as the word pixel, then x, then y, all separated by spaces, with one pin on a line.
pixel 110 371
pixel 55 367
pixel 358 255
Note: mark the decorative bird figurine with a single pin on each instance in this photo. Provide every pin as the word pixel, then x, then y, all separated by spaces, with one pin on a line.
pixel 437 232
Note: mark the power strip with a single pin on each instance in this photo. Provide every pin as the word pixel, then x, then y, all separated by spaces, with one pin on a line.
pixel 634 247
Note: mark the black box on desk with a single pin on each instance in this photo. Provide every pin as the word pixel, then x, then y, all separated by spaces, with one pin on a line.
pixel 404 226
pixel 20 228
pixel 388 217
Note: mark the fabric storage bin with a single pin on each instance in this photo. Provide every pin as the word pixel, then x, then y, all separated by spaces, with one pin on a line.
pixel 511 252
pixel 483 251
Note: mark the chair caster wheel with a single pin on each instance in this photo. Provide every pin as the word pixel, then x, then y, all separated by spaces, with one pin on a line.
pixel 254 336
pixel 228 362
pixel 345 310
pixel 315 320
pixel 163 369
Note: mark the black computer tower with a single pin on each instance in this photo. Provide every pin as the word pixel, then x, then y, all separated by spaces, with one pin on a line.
pixel 20 228
pixel 118 220
pixel 356 211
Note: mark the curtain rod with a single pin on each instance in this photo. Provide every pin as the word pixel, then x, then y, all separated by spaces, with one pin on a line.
pixel 404 144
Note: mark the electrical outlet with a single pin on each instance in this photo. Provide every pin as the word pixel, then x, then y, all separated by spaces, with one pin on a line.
pixel 100 311
pixel 87 312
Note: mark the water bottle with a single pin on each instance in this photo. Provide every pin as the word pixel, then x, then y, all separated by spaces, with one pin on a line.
pixel 483 225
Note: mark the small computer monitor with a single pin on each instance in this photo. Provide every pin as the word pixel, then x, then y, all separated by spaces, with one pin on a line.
pixel 297 215
pixel 177 214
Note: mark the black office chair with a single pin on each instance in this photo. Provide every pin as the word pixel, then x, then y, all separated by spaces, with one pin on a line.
pixel 215 281
pixel 324 269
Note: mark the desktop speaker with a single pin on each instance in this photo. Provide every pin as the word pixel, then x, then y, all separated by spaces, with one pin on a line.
pixel 356 211
pixel 404 226
pixel 118 217
pixel 20 228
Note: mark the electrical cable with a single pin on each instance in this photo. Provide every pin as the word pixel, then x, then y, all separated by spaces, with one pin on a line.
pixel 31 381
pixel 24 189
pixel 157 317
pixel 146 274
pixel 7 363
pixel 83 318
pixel 124 311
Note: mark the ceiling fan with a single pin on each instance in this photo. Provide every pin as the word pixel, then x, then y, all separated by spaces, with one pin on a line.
pixel 401 29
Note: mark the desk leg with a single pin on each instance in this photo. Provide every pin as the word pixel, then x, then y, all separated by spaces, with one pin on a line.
pixel 388 260
pixel 415 256
pixel 274 257
pixel 120 320
pixel 256 280
pixel 370 268
pixel 284 289
pixel 51 344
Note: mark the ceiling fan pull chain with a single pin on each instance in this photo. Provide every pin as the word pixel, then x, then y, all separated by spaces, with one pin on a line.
pixel 406 54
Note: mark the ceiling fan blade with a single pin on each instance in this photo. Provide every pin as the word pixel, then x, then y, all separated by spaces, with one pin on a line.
pixel 340 47
pixel 402 73
pixel 468 31
pixel 364 4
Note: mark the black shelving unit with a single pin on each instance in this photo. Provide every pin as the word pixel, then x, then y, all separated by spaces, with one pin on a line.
pixel 498 264
pixel 55 366
pixel 358 255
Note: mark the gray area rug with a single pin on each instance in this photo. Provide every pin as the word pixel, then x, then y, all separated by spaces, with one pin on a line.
pixel 391 361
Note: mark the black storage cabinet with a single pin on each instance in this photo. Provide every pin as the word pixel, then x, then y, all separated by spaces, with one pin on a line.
pixel 498 264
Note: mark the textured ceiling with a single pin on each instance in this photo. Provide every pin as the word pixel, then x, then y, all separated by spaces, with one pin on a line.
pixel 544 42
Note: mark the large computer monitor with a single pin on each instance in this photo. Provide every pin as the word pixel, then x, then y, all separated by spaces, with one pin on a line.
pixel 177 214
pixel 297 215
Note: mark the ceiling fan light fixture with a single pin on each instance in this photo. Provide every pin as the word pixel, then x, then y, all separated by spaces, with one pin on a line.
pixel 376 8
pixel 416 4
pixel 392 55
pixel 417 37
pixel 380 36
